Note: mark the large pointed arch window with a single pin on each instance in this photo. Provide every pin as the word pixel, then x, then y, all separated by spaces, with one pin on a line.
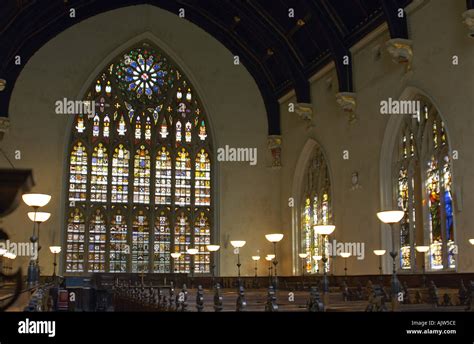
pixel 140 171
pixel 316 209
pixel 423 184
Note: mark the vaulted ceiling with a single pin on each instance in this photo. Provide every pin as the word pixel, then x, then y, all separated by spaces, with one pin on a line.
pixel 279 50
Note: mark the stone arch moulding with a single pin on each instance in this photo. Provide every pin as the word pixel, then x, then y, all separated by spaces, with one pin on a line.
pixel 385 164
pixel 296 190
pixel 99 66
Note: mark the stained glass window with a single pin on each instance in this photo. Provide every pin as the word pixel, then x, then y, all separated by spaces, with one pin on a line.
pixel 97 240
pixel 162 243
pixel 140 241
pixel 163 177
pixel 119 249
pixel 78 173
pixel 120 176
pixel 76 229
pixel 183 178
pixel 403 202
pixel 182 241
pixel 141 180
pixel 99 173
pixel 202 187
pixel 424 185
pixel 316 210
pixel 434 214
pixel 202 237
pixel 140 171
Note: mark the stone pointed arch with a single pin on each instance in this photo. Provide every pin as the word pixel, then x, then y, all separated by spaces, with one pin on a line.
pixel 297 190
pixel 142 195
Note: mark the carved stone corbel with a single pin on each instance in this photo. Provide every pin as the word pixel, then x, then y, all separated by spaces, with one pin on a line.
pixel 274 145
pixel 401 51
pixel 347 102
pixel 304 111
pixel 4 126
pixel 468 17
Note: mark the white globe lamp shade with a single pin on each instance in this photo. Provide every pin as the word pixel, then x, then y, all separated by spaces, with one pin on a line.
pixel 55 249
pixel 390 216
pixel 276 237
pixel 324 229
pixel 39 216
pixel 379 252
pixel 256 258
pixel 213 248
pixel 422 249
pixel 36 200
pixel 238 243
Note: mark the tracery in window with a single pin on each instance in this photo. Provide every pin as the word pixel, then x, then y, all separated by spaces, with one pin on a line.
pixel 316 210
pixel 144 162
pixel 424 191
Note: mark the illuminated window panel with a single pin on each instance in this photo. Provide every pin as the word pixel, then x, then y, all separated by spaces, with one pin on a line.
pixel 146 124
pixel 163 129
pixel 202 131
pixel 121 127
pixel 183 179
pixel 163 177
pixel 403 198
pixel 188 132
pixel 138 129
pixel 202 184
pixel 141 173
pixel 97 242
pixel 178 131
pixel 80 126
pixel 448 205
pixel 307 232
pixel 140 243
pixel 182 241
pixel 148 129
pixel 433 193
pixel 106 126
pixel 202 237
pixel 99 174
pixel 162 244
pixel 119 248
pixel 78 173
pixel 120 174
pixel 315 210
pixel 75 238
pixel 96 126
pixel 424 187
